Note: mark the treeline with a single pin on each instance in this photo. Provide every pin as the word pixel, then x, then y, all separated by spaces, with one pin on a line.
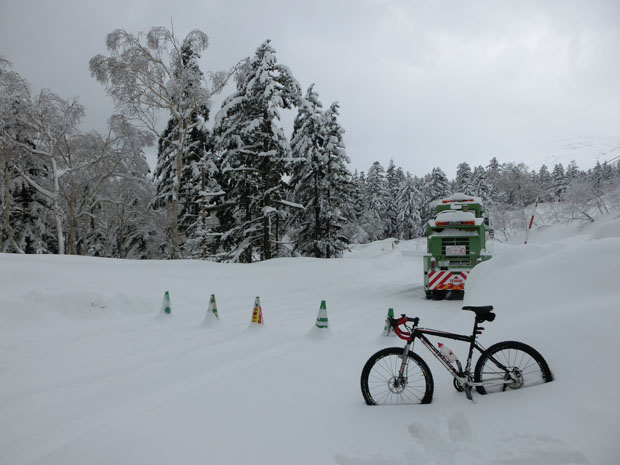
pixel 232 188
pixel 392 203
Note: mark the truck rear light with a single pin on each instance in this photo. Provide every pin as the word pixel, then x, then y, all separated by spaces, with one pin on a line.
pixel 433 263
pixel 453 223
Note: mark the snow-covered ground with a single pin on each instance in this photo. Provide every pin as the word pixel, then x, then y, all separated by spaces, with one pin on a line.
pixel 92 373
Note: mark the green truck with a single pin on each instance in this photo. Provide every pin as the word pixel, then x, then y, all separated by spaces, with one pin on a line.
pixel 455 243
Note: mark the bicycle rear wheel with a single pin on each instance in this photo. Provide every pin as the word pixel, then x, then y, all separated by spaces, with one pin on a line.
pixel 512 365
pixel 382 384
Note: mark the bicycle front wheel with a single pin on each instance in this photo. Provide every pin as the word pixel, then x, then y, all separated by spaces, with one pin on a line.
pixel 510 365
pixel 383 384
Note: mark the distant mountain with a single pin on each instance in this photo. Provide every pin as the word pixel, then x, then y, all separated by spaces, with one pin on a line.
pixel 586 151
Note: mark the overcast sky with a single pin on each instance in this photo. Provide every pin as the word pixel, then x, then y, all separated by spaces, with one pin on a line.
pixel 427 83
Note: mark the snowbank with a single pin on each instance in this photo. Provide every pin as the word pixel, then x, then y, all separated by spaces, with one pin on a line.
pixel 91 374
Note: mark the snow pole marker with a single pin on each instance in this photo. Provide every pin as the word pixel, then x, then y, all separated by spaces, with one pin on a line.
pixel 165 306
pixel 321 318
pixel 387 329
pixel 527 231
pixel 257 313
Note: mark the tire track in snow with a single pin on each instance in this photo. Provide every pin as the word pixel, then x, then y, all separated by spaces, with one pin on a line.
pixel 35 447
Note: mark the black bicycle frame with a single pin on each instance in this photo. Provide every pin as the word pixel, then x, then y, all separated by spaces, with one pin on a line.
pixel 420 333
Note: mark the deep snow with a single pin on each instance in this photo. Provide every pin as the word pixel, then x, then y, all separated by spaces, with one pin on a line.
pixel 92 372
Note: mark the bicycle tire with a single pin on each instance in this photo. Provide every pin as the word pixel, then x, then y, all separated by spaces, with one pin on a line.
pixel 379 379
pixel 527 367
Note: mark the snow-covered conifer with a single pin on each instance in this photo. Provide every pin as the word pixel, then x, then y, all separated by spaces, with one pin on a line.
pixel 558 181
pixel 463 180
pixel 255 156
pixel 409 203
pixel 375 201
pixel 479 186
pixel 395 178
pixel 338 184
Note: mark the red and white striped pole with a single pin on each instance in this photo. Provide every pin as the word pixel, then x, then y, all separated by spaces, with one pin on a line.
pixel 527 232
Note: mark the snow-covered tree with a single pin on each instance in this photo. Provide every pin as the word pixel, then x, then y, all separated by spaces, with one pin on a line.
pixel 463 180
pixel 354 210
pixel 255 155
pixel 146 74
pixel 338 185
pixel 409 203
pixel 572 171
pixel 558 181
pixel 307 173
pixel 493 176
pixel 435 186
pixel 197 147
pixel 375 196
pixel 23 219
pixel 479 186
pixel 544 183
pixel 395 178
pixel 52 124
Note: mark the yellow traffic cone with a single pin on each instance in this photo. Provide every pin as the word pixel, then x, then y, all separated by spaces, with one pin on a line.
pixel 257 313
pixel 321 318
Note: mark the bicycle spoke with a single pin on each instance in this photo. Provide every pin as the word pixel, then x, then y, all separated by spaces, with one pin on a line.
pixel 520 368
pixel 384 384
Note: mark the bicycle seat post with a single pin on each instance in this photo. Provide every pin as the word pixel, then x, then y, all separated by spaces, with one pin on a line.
pixel 477 329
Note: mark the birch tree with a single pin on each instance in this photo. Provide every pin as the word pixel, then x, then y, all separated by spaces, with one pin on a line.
pixel 145 75
pixel 51 123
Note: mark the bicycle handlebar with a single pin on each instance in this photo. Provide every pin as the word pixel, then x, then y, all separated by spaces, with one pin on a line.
pixel 396 322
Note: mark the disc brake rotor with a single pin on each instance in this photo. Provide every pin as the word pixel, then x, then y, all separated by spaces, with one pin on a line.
pixel 397 385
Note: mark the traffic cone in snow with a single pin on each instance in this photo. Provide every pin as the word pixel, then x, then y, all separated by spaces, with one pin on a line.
pixel 257 313
pixel 387 329
pixel 321 318
pixel 165 306
pixel 211 317
pixel 212 310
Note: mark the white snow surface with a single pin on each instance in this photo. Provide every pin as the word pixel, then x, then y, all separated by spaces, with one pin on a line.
pixel 459 197
pixel 92 372
pixel 456 216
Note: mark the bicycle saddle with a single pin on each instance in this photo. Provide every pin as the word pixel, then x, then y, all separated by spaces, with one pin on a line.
pixel 483 313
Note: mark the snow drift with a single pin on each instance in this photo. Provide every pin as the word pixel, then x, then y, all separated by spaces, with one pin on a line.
pixel 91 373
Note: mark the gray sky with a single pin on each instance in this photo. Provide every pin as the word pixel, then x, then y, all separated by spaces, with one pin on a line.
pixel 427 83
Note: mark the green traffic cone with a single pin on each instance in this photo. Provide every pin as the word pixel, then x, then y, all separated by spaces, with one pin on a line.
pixel 387 329
pixel 212 317
pixel 165 306
pixel 321 318
pixel 213 307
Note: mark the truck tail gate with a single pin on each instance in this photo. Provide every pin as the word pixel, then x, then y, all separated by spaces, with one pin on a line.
pixel 447 280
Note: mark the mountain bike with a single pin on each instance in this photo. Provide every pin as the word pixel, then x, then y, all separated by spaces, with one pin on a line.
pixel 398 375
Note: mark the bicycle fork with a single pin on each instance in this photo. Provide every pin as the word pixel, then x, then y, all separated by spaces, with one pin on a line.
pixel 402 379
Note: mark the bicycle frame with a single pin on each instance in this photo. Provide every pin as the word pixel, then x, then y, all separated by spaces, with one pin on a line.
pixel 462 376
pixel 420 333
